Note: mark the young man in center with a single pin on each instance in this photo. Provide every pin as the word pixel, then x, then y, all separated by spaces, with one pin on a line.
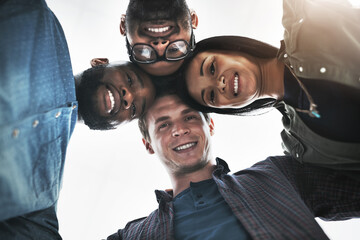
pixel 277 198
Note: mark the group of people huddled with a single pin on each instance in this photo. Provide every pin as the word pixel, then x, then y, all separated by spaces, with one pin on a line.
pixel 171 84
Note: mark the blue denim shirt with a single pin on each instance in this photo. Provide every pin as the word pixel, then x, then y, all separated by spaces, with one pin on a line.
pixel 38 106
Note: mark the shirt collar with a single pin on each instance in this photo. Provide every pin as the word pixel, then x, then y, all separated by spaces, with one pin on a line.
pixel 222 165
pixel 167 195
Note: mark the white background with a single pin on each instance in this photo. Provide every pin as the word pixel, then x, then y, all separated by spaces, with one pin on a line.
pixel 109 178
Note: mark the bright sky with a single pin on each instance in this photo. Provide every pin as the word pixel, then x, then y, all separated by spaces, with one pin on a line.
pixel 109 178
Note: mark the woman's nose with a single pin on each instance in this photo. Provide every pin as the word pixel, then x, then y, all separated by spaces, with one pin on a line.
pixel 221 84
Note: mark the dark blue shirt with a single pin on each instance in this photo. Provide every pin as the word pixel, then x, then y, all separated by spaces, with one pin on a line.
pixel 278 198
pixel 202 213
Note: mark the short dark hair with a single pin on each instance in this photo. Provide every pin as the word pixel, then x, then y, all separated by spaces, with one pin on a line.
pixel 246 45
pixel 87 85
pixel 143 125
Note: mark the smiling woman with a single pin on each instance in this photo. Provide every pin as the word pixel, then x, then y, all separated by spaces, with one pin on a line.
pixel 228 75
pixel 237 70
pixel 205 82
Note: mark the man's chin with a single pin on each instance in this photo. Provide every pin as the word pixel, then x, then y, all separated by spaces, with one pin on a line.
pixel 162 68
pixel 191 168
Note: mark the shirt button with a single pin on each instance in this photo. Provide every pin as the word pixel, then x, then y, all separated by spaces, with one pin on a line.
pixel 15 133
pixel 322 70
pixel 301 20
pixel 57 114
pixel 301 69
pixel 35 123
pixel 74 107
pixel 297 155
pixel 285 55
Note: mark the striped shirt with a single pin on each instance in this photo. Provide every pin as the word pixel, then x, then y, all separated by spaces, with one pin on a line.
pixel 277 198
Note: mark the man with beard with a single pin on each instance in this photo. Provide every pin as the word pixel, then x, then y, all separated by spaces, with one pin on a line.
pixel 112 94
pixel 159 34
pixel 277 198
pixel 38 115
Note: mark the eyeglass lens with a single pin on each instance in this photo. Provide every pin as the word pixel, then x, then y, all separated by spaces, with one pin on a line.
pixel 143 52
pixel 174 51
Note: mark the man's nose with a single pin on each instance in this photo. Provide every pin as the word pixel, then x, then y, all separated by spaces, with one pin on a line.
pixel 221 84
pixel 160 46
pixel 127 98
pixel 180 130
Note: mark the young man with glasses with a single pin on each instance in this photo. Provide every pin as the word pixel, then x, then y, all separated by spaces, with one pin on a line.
pixel 159 34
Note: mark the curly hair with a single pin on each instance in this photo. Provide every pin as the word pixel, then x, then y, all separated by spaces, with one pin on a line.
pixel 88 83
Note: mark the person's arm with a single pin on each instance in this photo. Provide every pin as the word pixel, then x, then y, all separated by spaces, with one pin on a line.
pixel 329 194
pixel 323 33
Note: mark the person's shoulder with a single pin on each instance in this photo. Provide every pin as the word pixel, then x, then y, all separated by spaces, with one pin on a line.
pixel 270 164
pixel 135 227
pixel 129 226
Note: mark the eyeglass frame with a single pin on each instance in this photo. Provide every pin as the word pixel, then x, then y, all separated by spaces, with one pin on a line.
pixel 158 58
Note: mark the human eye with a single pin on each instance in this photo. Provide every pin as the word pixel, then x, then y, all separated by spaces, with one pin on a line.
pixel 173 49
pixel 212 97
pixel 212 68
pixel 190 117
pixel 129 80
pixel 163 125
pixel 142 51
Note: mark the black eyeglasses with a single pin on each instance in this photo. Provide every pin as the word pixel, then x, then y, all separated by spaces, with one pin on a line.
pixel 175 51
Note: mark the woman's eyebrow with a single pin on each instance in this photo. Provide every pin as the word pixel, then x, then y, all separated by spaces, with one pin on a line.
pixel 201 67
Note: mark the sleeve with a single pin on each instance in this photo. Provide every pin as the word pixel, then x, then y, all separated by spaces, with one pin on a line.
pixel 329 194
pixel 322 30
pixel 132 227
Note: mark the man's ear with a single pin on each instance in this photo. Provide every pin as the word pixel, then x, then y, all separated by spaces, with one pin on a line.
pixel 98 61
pixel 148 146
pixel 194 19
pixel 122 25
pixel 212 127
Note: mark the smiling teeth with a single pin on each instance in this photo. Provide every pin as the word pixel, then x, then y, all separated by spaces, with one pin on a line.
pixel 112 100
pixel 185 146
pixel 157 30
pixel 236 84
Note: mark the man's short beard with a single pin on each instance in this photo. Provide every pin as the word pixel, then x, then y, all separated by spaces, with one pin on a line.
pixel 152 11
pixel 191 169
